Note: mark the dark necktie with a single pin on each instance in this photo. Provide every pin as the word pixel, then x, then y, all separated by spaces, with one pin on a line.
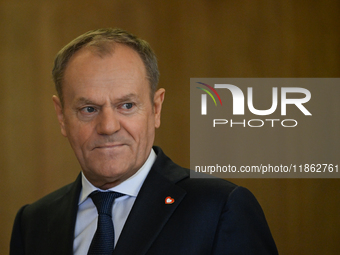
pixel 103 240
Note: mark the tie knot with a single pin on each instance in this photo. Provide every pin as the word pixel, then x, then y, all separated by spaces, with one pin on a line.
pixel 104 201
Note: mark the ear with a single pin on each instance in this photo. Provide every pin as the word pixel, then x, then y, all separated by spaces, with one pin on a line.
pixel 157 105
pixel 60 114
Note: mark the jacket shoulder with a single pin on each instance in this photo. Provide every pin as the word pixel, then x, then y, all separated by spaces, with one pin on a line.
pixel 201 185
pixel 53 196
pixel 44 224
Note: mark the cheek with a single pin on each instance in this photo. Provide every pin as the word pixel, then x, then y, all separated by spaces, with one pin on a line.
pixel 78 135
pixel 149 130
pixel 140 129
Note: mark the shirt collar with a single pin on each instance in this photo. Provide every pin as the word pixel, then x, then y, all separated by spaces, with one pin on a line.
pixel 130 187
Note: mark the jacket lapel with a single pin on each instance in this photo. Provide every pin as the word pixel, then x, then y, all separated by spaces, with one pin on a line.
pixel 61 222
pixel 150 211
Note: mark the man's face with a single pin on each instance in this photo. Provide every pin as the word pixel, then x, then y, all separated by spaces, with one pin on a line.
pixel 108 116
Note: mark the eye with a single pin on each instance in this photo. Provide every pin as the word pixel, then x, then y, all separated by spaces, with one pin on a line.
pixel 127 106
pixel 88 109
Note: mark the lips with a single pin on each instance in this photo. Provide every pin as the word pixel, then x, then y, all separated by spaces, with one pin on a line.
pixel 108 146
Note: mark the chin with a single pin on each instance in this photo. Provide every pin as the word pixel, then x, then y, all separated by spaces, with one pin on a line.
pixel 114 173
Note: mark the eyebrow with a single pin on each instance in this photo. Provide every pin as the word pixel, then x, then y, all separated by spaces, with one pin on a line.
pixel 84 100
pixel 127 97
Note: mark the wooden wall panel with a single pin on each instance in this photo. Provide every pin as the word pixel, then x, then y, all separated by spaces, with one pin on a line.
pixel 204 38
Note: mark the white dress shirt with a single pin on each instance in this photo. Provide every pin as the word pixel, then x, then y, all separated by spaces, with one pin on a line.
pixel 87 216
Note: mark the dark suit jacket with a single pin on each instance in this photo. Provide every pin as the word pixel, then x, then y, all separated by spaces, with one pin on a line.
pixel 208 216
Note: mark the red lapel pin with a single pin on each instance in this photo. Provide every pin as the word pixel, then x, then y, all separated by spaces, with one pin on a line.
pixel 169 200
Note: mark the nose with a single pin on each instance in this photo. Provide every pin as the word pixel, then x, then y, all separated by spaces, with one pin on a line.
pixel 108 123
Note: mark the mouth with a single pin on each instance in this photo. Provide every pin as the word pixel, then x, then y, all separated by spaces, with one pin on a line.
pixel 108 146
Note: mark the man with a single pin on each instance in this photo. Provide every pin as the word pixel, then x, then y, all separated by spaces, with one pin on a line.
pixel 108 108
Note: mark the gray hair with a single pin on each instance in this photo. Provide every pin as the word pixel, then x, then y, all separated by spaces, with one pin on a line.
pixel 103 40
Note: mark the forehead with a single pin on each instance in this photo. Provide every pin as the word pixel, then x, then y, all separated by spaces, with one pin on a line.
pixel 118 57
pixel 88 71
